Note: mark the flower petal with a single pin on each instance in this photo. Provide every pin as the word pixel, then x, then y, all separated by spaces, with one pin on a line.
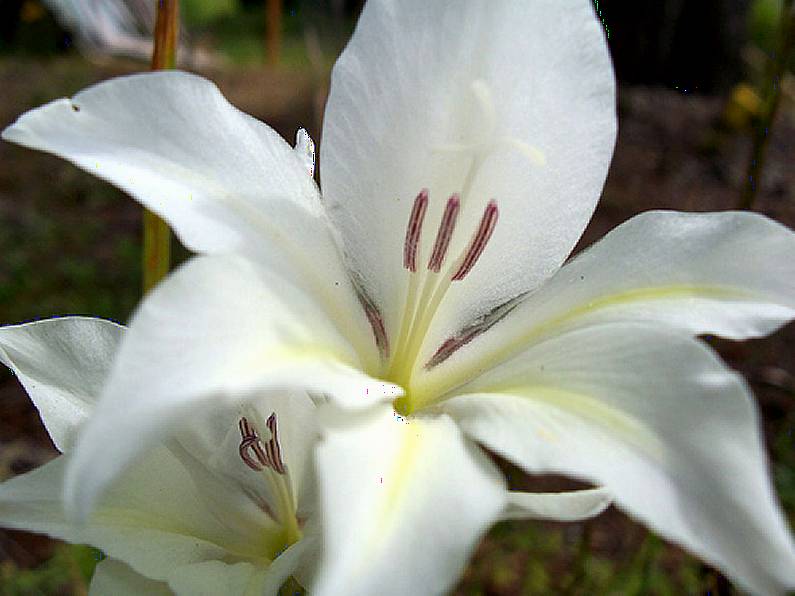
pixel 575 505
pixel 224 181
pixel 152 519
pixel 211 578
pixel 215 333
pixel 174 143
pixel 62 364
pixel 729 274
pixel 512 101
pixel 415 495
pixel 116 578
pixel 656 418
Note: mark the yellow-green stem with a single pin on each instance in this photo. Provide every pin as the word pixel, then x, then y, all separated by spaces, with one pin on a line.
pixel 157 237
pixel 773 99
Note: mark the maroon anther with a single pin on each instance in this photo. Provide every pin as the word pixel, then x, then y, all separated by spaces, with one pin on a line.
pixel 254 454
pixel 445 233
pixel 273 447
pixel 377 324
pixel 414 229
pixel 479 241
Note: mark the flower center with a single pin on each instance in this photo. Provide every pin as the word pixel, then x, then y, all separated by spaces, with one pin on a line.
pixel 266 458
pixel 427 289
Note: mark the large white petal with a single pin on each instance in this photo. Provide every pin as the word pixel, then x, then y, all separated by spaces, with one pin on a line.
pixel 62 363
pixel 214 333
pixel 404 503
pixel 114 578
pixel 659 420
pixel 153 518
pixel 425 90
pixel 729 274
pixel 224 181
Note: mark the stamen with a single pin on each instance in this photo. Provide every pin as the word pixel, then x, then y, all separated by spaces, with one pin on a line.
pixel 274 449
pixel 377 323
pixel 268 457
pixel 445 233
pixel 471 331
pixel 478 242
pixel 250 442
pixel 414 229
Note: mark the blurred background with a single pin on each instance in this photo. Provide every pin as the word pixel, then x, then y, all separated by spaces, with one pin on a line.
pixel 699 86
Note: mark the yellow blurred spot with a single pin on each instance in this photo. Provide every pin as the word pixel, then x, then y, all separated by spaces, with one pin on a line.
pixel 743 106
pixel 32 11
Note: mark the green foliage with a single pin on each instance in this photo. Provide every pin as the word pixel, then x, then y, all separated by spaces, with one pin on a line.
pixel 763 23
pixel 67 572
pixel 200 13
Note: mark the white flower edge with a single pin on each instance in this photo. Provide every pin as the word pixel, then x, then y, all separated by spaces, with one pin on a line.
pixel 62 364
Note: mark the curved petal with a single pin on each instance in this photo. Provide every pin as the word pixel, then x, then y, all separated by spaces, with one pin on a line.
pixel 62 364
pixel 575 505
pixel 224 181
pixel 729 274
pixel 511 100
pixel 152 519
pixel 116 578
pixel 214 333
pixel 404 502
pixel 656 418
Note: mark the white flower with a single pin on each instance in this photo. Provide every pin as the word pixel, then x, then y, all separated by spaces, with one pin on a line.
pixel 225 507
pixel 463 153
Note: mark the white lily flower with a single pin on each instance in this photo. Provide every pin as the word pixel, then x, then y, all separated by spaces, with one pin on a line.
pixel 224 507
pixel 463 153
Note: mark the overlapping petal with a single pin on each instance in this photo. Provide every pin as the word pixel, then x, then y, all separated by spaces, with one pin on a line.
pixel 224 181
pixel 404 503
pixel 657 419
pixel 215 333
pixel 62 364
pixel 152 518
pixel 511 100
pixel 114 577
pixel 729 274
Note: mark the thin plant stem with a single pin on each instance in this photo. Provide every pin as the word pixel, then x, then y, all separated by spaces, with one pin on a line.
pixel 157 236
pixel 576 582
pixel 273 30
pixel 770 107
